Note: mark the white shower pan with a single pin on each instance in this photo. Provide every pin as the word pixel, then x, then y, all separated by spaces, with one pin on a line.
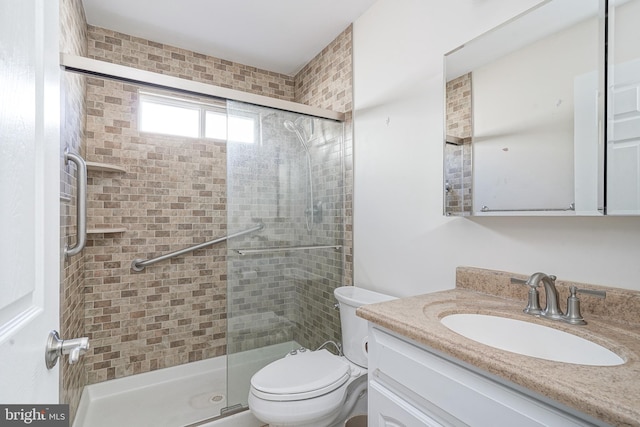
pixel 171 397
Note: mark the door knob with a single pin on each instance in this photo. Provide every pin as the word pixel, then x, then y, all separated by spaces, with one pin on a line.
pixel 56 347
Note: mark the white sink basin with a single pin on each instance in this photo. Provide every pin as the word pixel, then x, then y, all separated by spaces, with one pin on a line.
pixel 530 339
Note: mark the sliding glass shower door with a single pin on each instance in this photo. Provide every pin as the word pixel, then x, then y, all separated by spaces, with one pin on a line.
pixel 285 174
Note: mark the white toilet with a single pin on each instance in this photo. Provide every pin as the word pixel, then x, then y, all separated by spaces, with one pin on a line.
pixel 312 388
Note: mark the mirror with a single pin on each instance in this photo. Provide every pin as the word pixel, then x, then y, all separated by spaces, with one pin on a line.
pixel 623 109
pixel 524 114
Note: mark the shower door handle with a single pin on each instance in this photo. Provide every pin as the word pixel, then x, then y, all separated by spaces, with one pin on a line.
pixel 81 204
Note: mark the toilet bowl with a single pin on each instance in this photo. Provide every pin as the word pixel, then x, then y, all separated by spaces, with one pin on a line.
pixel 306 389
pixel 310 388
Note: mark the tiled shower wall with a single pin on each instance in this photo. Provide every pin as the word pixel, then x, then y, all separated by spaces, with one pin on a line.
pixel 135 52
pixel 73 39
pixel 457 158
pixel 271 293
pixel 174 312
pixel 327 82
pixel 171 196
pixel 319 272
pixel 261 294
pixel 459 117
pixel 301 306
pixel 263 187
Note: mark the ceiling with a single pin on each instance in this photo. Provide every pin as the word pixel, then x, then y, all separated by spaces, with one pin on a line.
pixel 275 35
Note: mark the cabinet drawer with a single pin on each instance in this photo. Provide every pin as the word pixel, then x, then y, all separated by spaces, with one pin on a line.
pixel 466 395
pixel 388 410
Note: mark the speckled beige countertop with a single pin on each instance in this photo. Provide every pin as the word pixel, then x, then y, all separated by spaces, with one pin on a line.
pixel 610 394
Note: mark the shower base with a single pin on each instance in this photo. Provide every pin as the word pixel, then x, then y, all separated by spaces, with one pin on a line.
pixel 173 397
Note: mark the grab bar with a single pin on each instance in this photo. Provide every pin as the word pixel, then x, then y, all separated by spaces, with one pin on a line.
pixel 139 264
pixel 285 248
pixel 81 204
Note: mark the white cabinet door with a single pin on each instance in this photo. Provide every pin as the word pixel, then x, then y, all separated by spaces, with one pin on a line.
pixel 623 145
pixel 29 191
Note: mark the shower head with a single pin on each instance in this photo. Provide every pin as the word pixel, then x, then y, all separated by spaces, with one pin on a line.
pixel 297 128
pixel 299 131
pixel 289 125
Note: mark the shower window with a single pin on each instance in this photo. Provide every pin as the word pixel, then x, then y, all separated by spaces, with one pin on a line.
pixel 215 125
pixel 168 115
pixel 172 115
pixel 236 128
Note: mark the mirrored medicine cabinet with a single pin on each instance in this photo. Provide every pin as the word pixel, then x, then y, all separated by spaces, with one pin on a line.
pixel 543 114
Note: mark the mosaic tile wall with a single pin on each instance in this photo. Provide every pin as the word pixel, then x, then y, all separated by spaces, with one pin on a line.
pixel 181 312
pixel 321 271
pixel 261 189
pixel 457 158
pixel 123 49
pixel 459 117
pixel 172 196
pixel 327 82
pixel 186 303
pixel 269 292
pixel 73 39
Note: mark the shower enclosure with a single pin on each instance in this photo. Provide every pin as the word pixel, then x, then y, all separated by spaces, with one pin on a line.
pixel 214 228
pixel 288 177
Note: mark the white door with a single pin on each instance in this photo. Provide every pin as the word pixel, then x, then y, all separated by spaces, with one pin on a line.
pixel 29 196
pixel 623 157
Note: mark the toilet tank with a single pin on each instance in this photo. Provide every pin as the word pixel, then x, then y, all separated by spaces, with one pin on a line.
pixel 354 328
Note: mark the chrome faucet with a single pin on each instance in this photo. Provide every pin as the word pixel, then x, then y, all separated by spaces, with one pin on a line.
pixel 552 309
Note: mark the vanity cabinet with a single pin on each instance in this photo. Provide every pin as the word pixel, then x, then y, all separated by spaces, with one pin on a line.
pixel 414 385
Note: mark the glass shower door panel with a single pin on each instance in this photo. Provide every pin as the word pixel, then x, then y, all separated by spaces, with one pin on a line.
pixel 284 171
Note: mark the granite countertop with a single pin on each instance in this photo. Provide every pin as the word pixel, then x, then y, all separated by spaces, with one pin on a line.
pixel 610 394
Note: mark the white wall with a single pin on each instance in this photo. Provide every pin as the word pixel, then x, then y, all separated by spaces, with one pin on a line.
pixel 402 243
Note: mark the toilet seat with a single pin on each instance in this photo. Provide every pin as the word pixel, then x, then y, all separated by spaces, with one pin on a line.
pixel 303 376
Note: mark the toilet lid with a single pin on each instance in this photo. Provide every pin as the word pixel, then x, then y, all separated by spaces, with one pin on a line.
pixel 302 376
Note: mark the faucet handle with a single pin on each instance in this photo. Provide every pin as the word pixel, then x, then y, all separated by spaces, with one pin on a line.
pixel 595 293
pixel 533 301
pixel 573 315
